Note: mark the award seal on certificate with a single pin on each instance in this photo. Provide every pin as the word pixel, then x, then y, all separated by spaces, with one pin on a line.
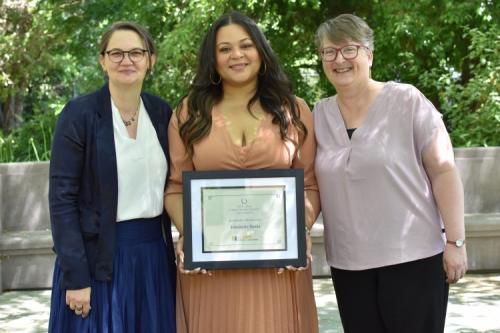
pixel 244 218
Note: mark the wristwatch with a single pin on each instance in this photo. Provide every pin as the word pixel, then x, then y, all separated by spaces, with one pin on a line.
pixel 458 243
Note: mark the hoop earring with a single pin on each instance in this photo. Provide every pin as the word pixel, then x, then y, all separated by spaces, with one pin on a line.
pixel 265 69
pixel 215 83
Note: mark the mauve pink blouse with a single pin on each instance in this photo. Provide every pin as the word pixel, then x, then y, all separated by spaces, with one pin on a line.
pixel 377 202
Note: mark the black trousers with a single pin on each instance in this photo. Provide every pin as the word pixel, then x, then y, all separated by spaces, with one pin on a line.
pixel 403 298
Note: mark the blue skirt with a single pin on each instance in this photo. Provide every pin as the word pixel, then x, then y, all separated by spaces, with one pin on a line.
pixel 139 298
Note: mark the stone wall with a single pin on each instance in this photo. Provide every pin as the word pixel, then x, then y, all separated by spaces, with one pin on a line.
pixel 480 173
pixel 26 257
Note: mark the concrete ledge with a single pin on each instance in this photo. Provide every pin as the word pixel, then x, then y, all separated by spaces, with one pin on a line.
pixel 24 196
pixel 27 257
pixel 480 173
pixel 482 225
pixel 19 242
pixel 483 244
pixel 483 241
pixel 26 260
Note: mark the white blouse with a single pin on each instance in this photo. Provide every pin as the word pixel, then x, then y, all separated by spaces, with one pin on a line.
pixel 377 201
pixel 141 166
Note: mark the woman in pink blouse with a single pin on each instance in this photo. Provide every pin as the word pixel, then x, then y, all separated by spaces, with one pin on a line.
pixel 389 187
pixel 240 114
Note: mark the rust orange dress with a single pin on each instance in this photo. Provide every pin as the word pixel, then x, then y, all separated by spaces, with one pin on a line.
pixel 247 300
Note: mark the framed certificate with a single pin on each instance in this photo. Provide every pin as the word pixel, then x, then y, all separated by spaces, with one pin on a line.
pixel 244 218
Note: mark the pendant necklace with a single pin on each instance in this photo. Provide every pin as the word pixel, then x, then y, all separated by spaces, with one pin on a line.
pixel 131 120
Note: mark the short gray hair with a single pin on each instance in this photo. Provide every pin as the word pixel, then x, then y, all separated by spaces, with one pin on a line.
pixel 343 28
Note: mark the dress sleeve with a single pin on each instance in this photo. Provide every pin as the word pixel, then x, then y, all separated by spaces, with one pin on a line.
pixel 305 160
pixel 179 159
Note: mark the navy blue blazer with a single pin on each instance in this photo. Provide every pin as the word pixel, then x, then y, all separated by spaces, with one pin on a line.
pixel 83 186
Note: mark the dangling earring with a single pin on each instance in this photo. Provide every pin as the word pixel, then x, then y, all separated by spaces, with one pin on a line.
pixel 105 75
pixel 215 83
pixel 264 71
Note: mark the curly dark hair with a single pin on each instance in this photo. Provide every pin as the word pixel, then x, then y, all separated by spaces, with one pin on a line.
pixel 274 90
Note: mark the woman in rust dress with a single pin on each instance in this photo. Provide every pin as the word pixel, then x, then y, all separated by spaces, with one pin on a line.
pixel 240 113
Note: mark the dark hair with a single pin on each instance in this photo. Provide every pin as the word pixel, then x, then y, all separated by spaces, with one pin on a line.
pixel 274 90
pixel 131 26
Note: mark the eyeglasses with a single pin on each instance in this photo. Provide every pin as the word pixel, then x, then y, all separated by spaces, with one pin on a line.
pixel 348 52
pixel 117 55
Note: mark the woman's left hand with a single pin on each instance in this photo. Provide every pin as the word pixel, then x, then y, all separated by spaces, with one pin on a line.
pixel 308 258
pixel 454 262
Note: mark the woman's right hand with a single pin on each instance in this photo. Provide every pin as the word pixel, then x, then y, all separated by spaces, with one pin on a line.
pixel 179 250
pixel 78 300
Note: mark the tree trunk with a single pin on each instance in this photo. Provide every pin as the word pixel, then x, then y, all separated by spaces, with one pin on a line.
pixel 10 112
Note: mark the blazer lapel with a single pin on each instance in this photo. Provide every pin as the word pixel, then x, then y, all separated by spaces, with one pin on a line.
pixel 157 118
pixel 106 154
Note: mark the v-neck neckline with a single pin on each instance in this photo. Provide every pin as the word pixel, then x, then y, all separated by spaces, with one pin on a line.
pixel 229 136
pixel 121 125
pixel 365 123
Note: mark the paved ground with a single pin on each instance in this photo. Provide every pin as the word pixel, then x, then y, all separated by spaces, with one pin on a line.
pixel 474 306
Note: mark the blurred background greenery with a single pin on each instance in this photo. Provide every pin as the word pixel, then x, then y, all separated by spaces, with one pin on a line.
pixel 449 49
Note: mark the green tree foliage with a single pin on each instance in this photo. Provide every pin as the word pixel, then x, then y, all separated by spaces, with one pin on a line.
pixel 285 26
pixel 473 107
pixel 448 49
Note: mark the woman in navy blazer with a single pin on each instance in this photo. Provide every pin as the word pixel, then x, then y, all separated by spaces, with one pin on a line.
pixel 114 271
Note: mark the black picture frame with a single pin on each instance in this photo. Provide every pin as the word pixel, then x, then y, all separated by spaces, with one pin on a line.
pixel 292 248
